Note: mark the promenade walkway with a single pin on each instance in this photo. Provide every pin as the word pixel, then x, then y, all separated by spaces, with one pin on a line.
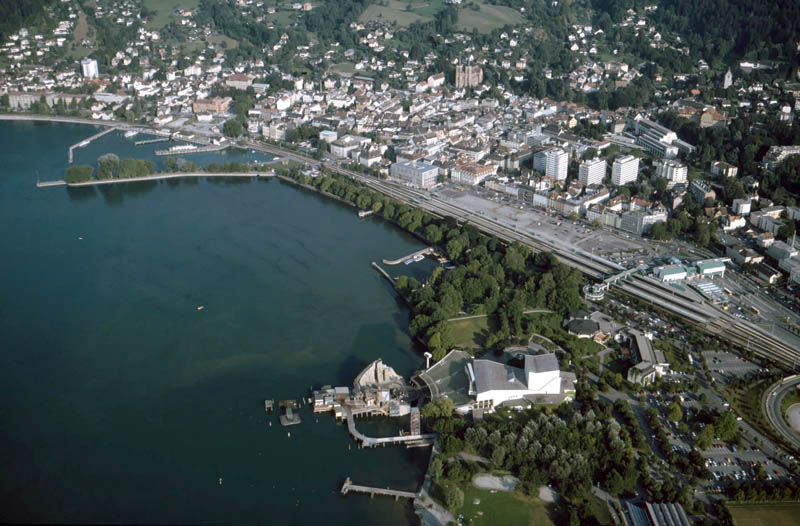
pixel 374 442
pixel 156 177
pixel 348 486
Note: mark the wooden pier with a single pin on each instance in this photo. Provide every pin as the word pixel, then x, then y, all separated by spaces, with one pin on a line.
pixel 348 486
pixel 86 142
pixel 423 252
pixel 366 441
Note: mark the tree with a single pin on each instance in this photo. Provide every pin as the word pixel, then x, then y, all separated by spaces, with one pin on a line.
pixel 439 408
pixel 453 497
pixel 232 128
pixel 674 412
pixel 726 427
pixel 705 437
pixel 78 174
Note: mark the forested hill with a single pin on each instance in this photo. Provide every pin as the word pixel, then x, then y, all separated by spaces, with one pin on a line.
pixel 724 29
pixel 15 14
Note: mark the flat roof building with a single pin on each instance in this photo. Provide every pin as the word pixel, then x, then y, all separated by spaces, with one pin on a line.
pixel 592 172
pixel 422 175
pixel 625 170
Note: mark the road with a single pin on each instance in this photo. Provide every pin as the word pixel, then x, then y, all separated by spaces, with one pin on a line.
pixel 771 406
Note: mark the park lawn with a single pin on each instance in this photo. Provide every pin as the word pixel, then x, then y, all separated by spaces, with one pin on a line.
pixel 503 508
pixel 488 18
pixel 216 38
pixel 469 334
pixel 773 514
pixel 164 10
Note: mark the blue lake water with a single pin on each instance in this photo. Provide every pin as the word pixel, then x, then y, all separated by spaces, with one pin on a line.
pixel 121 402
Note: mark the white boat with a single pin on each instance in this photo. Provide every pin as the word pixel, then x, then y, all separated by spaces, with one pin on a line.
pixel 131 133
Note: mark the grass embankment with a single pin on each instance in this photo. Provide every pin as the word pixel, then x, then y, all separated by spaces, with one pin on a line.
pixel 504 508
pixel 773 514
pixel 747 403
pixel 791 398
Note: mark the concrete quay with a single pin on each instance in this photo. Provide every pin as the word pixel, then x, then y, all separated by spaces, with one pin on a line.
pixel 86 142
pixel 423 252
pixel 348 486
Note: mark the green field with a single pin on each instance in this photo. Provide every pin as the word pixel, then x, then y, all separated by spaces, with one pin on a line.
pixel 469 334
pixel 395 11
pixel 504 508
pixel 164 10
pixel 775 514
pixel 488 17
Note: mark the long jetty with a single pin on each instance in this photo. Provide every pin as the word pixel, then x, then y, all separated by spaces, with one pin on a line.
pixel 155 177
pixel 383 441
pixel 423 252
pixel 348 486
pixel 383 273
pixel 86 142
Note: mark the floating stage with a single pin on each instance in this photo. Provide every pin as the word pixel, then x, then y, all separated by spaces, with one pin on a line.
pixel 288 416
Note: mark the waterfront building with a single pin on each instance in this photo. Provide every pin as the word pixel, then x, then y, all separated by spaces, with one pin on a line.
pixel 592 171
pixel 215 105
pixel 625 170
pixel 89 68
pixel 422 175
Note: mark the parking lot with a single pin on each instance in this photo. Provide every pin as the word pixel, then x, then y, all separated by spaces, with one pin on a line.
pixel 729 364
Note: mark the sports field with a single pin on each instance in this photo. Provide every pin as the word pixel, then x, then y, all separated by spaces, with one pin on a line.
pixel 776 514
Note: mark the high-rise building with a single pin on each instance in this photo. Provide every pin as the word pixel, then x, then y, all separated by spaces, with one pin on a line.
pixel 468 76
pixel 672 171
pixel 625 170
pixel 592 172
pixel 556 161
pixel 89 68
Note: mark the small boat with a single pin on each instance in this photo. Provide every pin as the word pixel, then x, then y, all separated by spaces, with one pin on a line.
pixel 220 481
pixel 200 307
pixel 270 424
pixel 408 261
pixel 131 133
pixel 418 257
pixel 289 434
